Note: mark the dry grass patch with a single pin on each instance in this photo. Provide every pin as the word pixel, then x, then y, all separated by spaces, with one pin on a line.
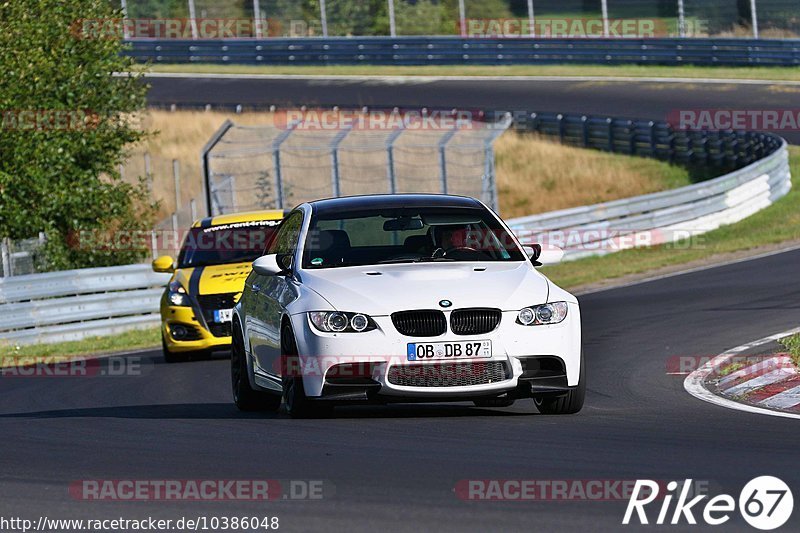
pixel 536 175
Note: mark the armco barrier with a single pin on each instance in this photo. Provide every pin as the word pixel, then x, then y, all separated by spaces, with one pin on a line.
pixel 72 304
pixel 464 51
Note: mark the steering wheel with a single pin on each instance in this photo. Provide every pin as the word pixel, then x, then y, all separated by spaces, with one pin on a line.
pixel 461 249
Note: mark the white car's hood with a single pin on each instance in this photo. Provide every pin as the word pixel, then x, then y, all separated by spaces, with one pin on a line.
pixel 380 290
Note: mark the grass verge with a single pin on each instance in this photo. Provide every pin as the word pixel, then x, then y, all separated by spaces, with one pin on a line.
pixel 129 340
pixel 636 71
pixel 777 223
pixel 792 344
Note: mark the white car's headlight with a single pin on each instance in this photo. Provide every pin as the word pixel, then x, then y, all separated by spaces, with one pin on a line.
pixel 177 295
pixel 340 322
pixel 537 315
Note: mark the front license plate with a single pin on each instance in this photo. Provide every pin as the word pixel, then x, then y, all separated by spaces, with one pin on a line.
pixel 223 315
pixel 420 351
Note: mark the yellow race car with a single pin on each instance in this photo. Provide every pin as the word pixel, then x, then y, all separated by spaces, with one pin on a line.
pixel 208 279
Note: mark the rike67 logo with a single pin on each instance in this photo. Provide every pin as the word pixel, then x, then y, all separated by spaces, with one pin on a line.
pixel 765 503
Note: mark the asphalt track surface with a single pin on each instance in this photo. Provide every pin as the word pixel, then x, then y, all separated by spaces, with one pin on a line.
pixel 395 468
pixel 625 99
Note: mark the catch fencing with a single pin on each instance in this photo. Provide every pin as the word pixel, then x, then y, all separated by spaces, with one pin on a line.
pixel 280 165
pixel 345 18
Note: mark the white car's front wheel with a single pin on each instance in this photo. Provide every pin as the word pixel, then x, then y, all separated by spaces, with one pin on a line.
pixel 567 404
pixel 298 405
pixel 244 396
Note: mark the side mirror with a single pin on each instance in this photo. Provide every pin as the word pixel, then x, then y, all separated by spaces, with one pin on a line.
pixel 268 265
pixel 544 255
pixel 163 264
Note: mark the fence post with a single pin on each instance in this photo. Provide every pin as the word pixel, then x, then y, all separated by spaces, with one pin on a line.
pixel 124 7
pixel 390 140
pixel 681 19
pixel 531 19
pixel 176 175
pixel 193 209
pixel 276 159
pixel 323 18
pixel 335 181
pixel 754 18
pixel 8 269
pixel 392 27
pixel 206 166
pixel 257 18
pixel 443 156
pixel 148 175
pixel 462 18
pixel 154 243
pixel 605 18
pixel 192 19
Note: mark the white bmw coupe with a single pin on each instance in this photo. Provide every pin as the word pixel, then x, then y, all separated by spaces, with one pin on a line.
pixel 403 298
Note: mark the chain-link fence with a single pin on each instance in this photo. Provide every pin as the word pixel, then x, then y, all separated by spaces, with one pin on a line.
pixel 331 153
pixel 511 18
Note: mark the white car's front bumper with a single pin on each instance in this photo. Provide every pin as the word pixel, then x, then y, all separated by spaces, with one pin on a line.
pixel 514 346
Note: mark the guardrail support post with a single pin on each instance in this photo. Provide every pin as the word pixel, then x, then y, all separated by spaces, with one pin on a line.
pixel 8 269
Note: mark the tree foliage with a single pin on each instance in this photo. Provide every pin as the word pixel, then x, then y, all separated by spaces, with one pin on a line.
pixel 66 125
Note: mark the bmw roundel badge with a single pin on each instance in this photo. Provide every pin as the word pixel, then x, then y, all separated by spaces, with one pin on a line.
pixel 445 303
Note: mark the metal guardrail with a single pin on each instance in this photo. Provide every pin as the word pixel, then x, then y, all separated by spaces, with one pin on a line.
pixel 464 51
pixel 71 304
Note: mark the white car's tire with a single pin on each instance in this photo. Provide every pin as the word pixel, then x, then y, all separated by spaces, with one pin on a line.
pixel 298 405
pixel 568 404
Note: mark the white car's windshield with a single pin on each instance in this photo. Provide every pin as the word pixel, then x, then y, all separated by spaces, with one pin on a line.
pixel 406 235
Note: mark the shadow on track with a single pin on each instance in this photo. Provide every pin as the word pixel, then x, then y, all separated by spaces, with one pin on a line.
pixel 222 411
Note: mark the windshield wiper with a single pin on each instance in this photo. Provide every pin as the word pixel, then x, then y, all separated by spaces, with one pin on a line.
pixel 416 260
